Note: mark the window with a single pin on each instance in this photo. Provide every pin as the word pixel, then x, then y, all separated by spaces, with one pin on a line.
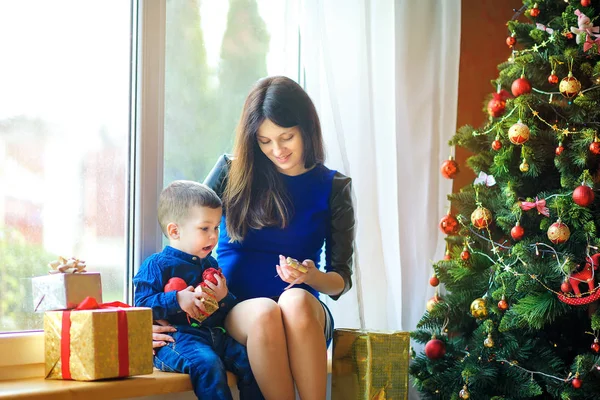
pixel 64 137
pixel 214 52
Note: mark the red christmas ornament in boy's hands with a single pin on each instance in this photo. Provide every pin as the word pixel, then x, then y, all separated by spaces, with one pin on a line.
pixel 176 284
pixel 209 275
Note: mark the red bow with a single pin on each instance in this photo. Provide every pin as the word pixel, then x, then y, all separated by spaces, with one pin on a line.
pixel 90 303
pixel 589 42
pixel 539 204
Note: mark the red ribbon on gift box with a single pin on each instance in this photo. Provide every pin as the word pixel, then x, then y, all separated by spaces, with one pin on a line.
pixel 89 303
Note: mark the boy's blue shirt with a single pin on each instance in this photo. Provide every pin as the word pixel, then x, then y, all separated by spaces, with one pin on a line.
pixel 154 274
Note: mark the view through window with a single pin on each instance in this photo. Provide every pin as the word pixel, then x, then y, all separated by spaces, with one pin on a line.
pixel 64 132
pixel 215 52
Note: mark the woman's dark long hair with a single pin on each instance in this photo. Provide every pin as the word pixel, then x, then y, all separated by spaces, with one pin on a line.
pixel 255 196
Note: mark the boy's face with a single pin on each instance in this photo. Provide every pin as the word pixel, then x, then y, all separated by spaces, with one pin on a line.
pixel 198 233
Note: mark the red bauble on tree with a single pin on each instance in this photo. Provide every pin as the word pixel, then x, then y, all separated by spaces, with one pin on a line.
pixel 535 11
pixel 497 105
pixel 595 147
pixel 559 149
pixel 435 349
pixel 496 145
pixel 565 287
pixel 503 304
pixel 595 346
pixel 553 78
pixel 449 168
pixel 583 195
pixel 511 41
pixel 449 224
pixel 465 255
pixel 576 382
pixel 520 86
pixel 447 256
pixel 517 232
pixel 434 281
pixel 586 3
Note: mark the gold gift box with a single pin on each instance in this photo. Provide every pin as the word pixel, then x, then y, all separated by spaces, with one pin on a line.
pixel 65 291
pixel 370 365
pixel 94 344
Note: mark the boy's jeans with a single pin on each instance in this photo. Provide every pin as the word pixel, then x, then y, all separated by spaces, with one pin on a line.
pixel 205 353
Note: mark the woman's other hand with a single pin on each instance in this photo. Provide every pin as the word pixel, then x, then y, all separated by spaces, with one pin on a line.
pixel 293 276
pixel 159 328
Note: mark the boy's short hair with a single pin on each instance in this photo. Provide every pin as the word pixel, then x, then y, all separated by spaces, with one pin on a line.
pixel 179 197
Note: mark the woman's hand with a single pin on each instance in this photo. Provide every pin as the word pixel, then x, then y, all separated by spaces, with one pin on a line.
pixel 293 276
pixel 159 328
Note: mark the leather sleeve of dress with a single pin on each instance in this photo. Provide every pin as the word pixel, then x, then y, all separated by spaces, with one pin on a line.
pixel 340 243
pixel 217 177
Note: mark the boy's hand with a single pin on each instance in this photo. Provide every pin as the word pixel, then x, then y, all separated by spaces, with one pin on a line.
pixel 220 288
pixel 190 302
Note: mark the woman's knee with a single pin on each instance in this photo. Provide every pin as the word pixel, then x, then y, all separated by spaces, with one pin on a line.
pixel 260 316
pixel 300 308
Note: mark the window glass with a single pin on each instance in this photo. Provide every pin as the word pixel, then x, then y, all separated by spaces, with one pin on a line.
pixel 64 134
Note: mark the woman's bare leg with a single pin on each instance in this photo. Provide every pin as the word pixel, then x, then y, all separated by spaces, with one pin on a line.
pixel 304 322
pixel 257 324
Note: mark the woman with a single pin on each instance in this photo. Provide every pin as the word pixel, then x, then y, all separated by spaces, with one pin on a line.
pixel 281 201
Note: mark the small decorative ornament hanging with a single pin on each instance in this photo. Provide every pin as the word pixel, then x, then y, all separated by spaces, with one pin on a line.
pixel 449 224
pixel 576 382
pixel 435 348
pixel 586 3
pixel 447 256
pixel 464 393
pixel 481 217
pixel 559 149
pixel 519 133
pixel 496 144
pixel 465 255
pixel 434 280
pixel 558 232
pixel 520 86
pixel 511 41
pixel 432 302
pixel 449 168
pixel 569 86
pixel 517 232
pixel 503 304
pixel 479 308
pixel 497 104
pixel 489 341
pixel 553 78
pixel 583 195
pixel 595 346
pixel 565 287
pixel 595 146
pixel 524 166
pixel 535 11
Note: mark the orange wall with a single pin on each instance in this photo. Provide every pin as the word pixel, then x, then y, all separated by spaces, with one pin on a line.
pixel 482 48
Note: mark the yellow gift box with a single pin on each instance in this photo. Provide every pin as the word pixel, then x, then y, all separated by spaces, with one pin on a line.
pixel 370 365
pixel 97 344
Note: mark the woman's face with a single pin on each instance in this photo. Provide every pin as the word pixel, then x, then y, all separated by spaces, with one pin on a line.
pixel 283 146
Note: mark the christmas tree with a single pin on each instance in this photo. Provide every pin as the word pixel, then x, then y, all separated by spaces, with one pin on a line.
pixel 519 318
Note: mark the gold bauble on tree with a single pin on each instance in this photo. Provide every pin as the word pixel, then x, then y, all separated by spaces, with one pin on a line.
pixel 432 302
pixel 481 217
pixel 558 232
pixel 489 341
pixel 569 86
pixel 479 308
pixel 519 133
pixel 464 393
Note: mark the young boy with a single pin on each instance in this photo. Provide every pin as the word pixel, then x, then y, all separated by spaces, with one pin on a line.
pixel 189 214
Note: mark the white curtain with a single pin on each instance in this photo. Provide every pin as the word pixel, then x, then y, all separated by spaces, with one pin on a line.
pixel 384 78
